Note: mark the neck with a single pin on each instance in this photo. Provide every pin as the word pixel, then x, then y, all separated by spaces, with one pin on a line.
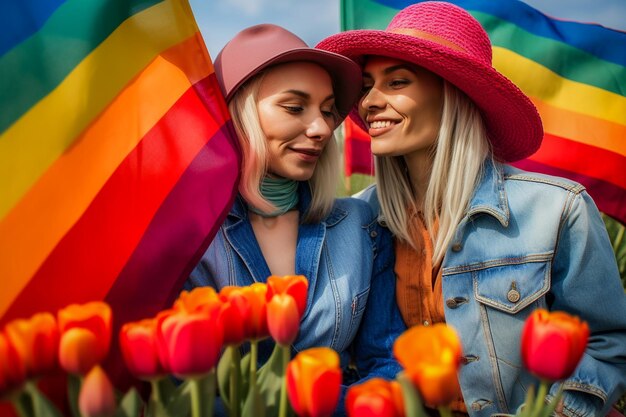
pixel 419 166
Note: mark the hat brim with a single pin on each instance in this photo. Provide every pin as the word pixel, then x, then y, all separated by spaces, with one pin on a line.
pixel 345 74
pixel 512 121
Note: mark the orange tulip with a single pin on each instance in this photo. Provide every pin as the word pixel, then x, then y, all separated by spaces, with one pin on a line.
pixel 431 356
pixel 96 398
pixel 189 343
pixel 85 335
pixel 293 285
pixel 314 381
pixel 36 341
pixel 12 372
pixel 553 343
pixel 283 319
pixel 198 299
pixel 138 342
pixel 375 398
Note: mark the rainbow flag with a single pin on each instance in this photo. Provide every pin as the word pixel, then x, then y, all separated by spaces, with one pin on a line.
pixel 574 73
pixel 117 158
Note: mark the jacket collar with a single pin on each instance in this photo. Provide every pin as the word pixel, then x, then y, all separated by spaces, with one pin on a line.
pixel 490 196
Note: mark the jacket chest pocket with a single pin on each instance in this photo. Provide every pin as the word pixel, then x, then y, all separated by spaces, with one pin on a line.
pixel 507 294
pixel 513 287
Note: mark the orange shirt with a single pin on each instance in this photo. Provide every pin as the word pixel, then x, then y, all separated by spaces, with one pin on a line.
pixel 418 285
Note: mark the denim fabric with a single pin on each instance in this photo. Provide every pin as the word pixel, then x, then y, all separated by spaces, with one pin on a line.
pixel 531 241
pixel 347 258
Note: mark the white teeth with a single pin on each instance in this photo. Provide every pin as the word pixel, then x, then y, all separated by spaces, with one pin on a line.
pixel 379 124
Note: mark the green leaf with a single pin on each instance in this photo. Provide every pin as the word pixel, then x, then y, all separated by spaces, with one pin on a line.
pixel 74 383
pixel 411 398
pixel 41 405
pixel 130 405
pixel 270 380
pixel 253 406
pixel 179 403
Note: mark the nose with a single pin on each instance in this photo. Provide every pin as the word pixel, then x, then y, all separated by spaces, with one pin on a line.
pixel 373 99
pixel 319 128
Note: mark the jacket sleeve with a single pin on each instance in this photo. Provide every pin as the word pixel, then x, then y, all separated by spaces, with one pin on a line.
pixel 382 322
pixel 586 282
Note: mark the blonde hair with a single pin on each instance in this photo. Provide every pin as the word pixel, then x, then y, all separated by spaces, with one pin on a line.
pixel 458 155
pixel 253 142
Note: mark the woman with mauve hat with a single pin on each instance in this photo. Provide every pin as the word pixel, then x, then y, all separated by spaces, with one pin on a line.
pixel 479 244
pixel 286 99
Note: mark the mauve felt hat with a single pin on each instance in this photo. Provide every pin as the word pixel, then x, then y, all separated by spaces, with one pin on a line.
pixel 261 46
pixel 448 41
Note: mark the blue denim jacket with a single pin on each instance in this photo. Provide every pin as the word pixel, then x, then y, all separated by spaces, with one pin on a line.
pixel 531 241
pixel 347 258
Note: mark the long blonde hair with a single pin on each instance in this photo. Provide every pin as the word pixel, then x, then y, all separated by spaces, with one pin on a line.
pixel 253 142
pixel 458 155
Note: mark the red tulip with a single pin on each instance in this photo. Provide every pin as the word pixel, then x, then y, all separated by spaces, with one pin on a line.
pixel 97 398
pixel 553 343
pixel 293 285
pixel 251 307
pixel 85 335
pixel 283 319
pixel 235 310
pixel 313 382
pixel 189 343
pixel 12 371
pixel 431 356
pixel 36 341
pixel 198 299
pixel 138 342
pixel 375 398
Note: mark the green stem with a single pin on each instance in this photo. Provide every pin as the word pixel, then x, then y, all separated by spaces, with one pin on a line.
pixel 540 399
pixel 235 376
pixel 194 386
pixel 212 384
pixel 156 392
pixel 444 411
pixel 554 403
pixel 254 353
pixel 286 356
pixel 528 403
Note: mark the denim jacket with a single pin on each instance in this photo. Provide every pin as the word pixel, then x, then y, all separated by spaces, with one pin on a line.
pixel 531 241
pixel 347 258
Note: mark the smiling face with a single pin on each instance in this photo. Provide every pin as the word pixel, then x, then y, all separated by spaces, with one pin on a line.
pixel 296 107
pixel 402 107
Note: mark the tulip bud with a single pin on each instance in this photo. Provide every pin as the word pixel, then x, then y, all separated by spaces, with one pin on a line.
pixel 235 310
pixel 431 356
pixel 553 343
pixel 314 381
pixel 85 335
pixel 375 398
pixel 36 341
pixel 97 398
pixel 138 342
pixel 293 285
pixel 283 319
pixel 12 372
pixel 189 344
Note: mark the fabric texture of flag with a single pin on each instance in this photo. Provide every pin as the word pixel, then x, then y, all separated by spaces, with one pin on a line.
pixel 575 74
pixel 117 157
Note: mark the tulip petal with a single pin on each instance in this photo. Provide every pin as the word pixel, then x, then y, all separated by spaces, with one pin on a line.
pixel 97 398
pixel 78 351
pixel 283 319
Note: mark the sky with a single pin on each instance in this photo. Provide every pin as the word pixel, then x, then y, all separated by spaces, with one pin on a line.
pixel 313 20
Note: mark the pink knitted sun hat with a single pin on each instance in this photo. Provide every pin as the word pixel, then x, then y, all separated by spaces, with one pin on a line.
pixel 447 40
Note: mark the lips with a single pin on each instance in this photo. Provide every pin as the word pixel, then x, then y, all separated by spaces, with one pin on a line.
pixel 310 152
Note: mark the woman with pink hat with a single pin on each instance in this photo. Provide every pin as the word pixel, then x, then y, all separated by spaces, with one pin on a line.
pixel 286 99
pixel 478 243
